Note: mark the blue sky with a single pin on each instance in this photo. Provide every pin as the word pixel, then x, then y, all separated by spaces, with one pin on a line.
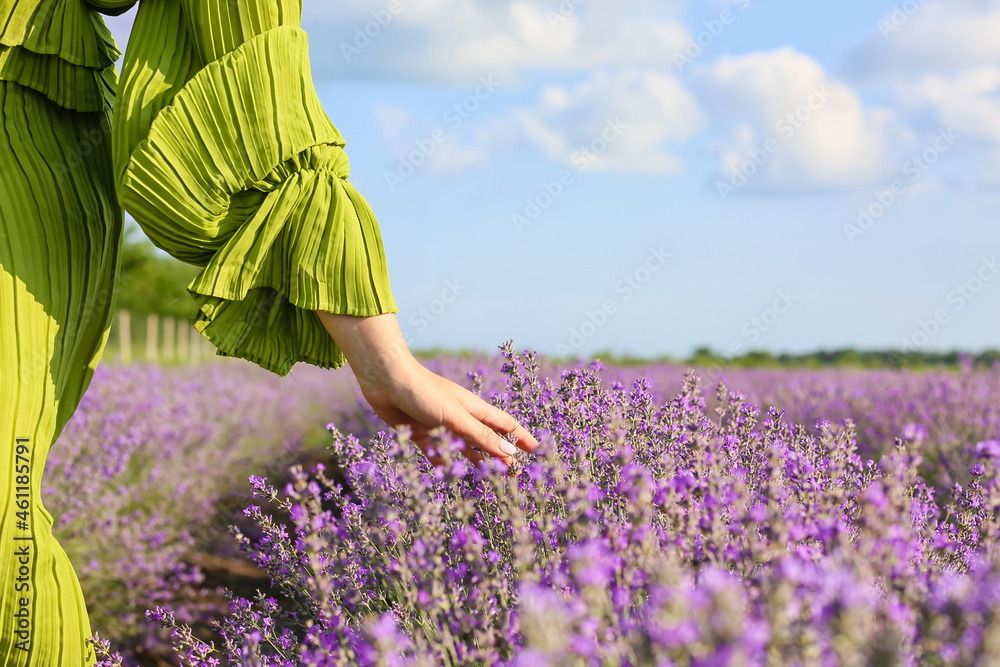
pixel 646 177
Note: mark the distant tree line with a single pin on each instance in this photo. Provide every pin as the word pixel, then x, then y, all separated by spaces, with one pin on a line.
pixel 852 358
pixel 153 283
pixel 843 358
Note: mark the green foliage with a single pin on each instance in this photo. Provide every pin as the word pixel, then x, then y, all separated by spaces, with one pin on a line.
pixel 152 282
pixel 845 358
pixel 704 357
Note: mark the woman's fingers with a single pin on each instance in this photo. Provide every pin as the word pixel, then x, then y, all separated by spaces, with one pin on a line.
pixel 500 421
pixel 421 436
pixel 471 453
pixel 474 455
pixel 398 419
pixel 477 434
pixel 480 425
pixel 434 459
pixel 473 449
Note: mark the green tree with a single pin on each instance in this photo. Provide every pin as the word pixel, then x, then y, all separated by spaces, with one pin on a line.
pixel 152 282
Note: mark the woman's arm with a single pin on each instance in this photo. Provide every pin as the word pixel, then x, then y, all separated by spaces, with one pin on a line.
pixel 401 391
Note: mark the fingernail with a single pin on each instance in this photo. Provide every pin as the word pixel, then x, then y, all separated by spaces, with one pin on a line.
pixel 508 448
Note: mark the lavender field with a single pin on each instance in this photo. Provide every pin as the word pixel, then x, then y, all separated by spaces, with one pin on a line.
pixel 781 518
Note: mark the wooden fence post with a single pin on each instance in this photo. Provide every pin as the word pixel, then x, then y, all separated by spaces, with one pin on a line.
pixel 152 336
pixel 169 330
pixel 182 342
pixel 179 342
pixel 195 345
pixel 125 336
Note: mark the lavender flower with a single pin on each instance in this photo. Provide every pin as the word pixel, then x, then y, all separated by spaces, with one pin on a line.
pixel 827 521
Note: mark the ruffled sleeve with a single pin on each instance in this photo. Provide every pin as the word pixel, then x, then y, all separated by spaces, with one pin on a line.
pixel 113 7
pixel 62 49
pixel 226 158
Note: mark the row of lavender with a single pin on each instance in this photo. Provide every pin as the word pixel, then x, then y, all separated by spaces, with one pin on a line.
pixel 655 526
pixel 152 468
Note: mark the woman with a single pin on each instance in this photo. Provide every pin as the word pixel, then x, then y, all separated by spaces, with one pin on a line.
pixel 225 157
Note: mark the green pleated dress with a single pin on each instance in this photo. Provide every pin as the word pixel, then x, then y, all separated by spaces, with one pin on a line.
pixel 226 158
pixel 222 152
pixel 60 232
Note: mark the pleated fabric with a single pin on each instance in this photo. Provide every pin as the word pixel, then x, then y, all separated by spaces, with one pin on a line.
pixel 60 233
pixel 226 158
pixel 62 49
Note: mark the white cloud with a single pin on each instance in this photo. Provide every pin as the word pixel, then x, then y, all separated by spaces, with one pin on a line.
pixel 456 41
pixel 942 61
pixel 969 100
pixel 939 36
pixel 634 112
pixel 823 134
pixel 969 104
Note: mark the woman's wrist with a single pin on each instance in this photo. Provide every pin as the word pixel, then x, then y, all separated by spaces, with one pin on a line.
pixel 405 394
pixel 374 347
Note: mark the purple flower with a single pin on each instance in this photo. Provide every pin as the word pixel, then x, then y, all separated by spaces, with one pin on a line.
pixel 915 432
pixel 658 523
pixel 988 449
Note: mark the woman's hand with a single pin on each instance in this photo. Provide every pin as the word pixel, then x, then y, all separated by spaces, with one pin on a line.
pixel 415 396
pixel 402 392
